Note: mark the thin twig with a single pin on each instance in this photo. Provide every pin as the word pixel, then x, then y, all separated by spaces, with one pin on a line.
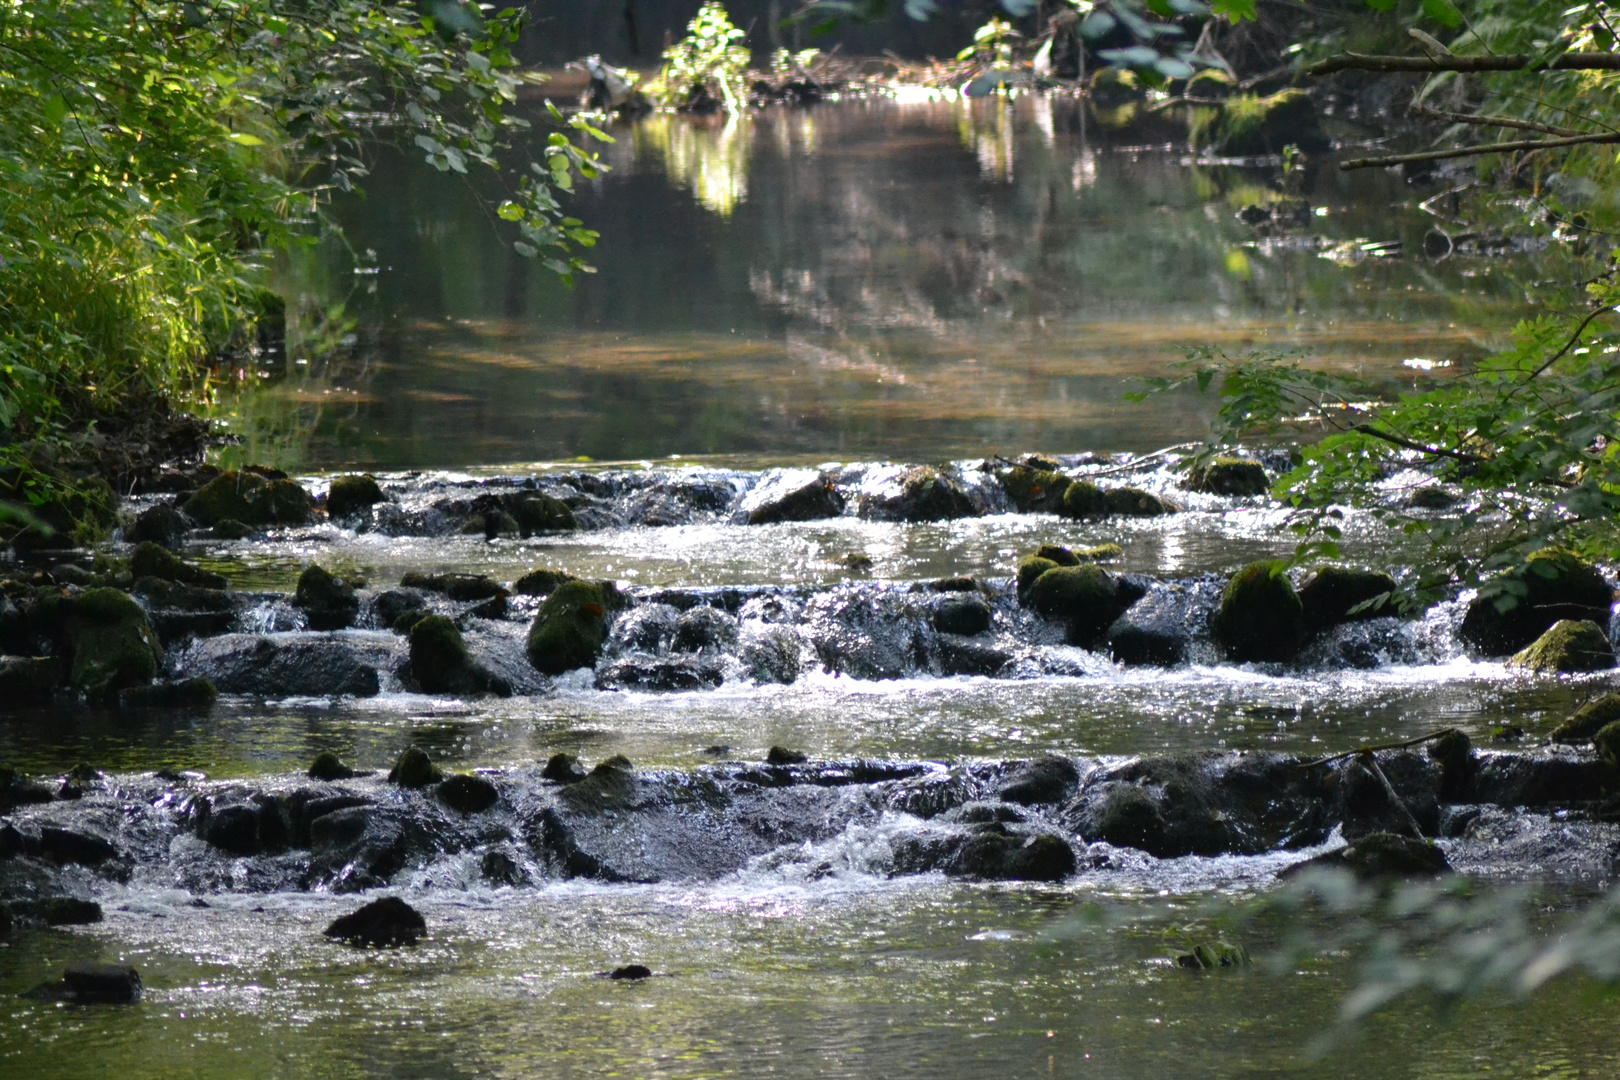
pixel 1375 749
pixel 1570 344
pixel 1369 762
pixel 1471 151
pixel 1136 463
pixel 1433 451
pixel 1415 109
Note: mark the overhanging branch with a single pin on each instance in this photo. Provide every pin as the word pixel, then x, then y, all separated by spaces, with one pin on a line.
pixel 1570 61
pixel 1486 148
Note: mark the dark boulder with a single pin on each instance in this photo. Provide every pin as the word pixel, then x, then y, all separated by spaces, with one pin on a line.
pixel 74 847
pixel 541 582
pixel 1049 779
pixel 460 587
pixel 630 972
pixel 155 561
pixel 794 496
pixel 773 656
pixel 390 607
pixel 1260 618
pixel 92 984
pixel 328 766
pixel 113 644
pixel 158 525
pixel 1158 630
pixel 967 614
pixel 1331 593
pixel 1522 603
pixel 1134 502
pixel 185 695
pixel 177 612
pixel 1083 499
pixel 286 665
pixel 28 680
pixel 381 923
pixel 781 755
pixel 349 495
pixel 1086 598
pixel 995 853
pixel 958 656
pixel 1229 476
pixel 441 664
pixel 637 673
pixel 1247 125
pixel 563 769
pixel 1030 569
pixel 1381 855
pixel 466 793
pixel 569 629
pixel 703 627
pixel 924 494
pixel 329 603
pixel 237 829
pixel 536 513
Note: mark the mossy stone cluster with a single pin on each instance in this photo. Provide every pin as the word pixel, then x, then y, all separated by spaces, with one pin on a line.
pixel 540 582
pixel 1261 618
pixel 1568 647
pixel 570 628
pixel 1550 585
pixel 414 769
pixel 1085 597
pixel 1588 720
pixel 1034 491
pixel 250 497
pixel 537 513
pixel 1333 595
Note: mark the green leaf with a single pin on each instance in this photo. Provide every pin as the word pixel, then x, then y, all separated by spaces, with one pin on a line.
pixel 510 211
pixel 1442 12
pixel 1235 11
pixel 54 110
pixel 242 138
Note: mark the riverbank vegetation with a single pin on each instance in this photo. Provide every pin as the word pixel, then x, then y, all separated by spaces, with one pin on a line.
pixel 155 156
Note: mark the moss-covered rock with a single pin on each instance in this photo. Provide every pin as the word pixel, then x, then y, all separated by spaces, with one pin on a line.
pixel 1568 647
pixel 329 603
pixel 1057 555
pixel 414 769
pixel 1100 553
pixel 1030 568
pixel 1209 955
pixel 925 494
pixel 569 629
pixel 1229 476
pixel 541 582
pixel 1247 125
pixel 155 561
pixel 440 663
pixel 230 529
pixel 1085 597
pixel 491 523
pixel 537 513
pixel 1430 497
pixel 1551 585
pixel 251 498
pixel 1134 502
pixel 1209 83
pixel 112 643
pixel 1083 499
pixel 1260 618
pixel 1588 720
pixel 352 494
pixel 159 525
pixel 1330 594
pixel 459 587
pixel 1607 743
pixel 1034 491
pixel 328 766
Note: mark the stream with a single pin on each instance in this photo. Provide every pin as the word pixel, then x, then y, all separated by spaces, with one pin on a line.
pixel 838 292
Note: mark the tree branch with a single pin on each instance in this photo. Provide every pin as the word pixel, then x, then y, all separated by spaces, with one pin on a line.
pixel 1415 109
pixel 1486 148
pixel 1570 61
pixel 1408 444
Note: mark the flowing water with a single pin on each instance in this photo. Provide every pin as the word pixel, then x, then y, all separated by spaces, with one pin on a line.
pixel 924 281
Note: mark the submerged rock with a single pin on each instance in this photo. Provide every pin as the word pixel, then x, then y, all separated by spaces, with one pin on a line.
pixel 197 695
pixel 1550 586
pixel 352 494
pixel 1567 647
pixel 1379 855
pixel 466 793
pixel 1330 594
pixel 460 587
pixel 92 984
pixel 966 614
pixel 380 924
pixel 287 665
pixel 1260 618
pixel 569 629
pixel 441 664
pixel 329 603
pixel 155 561
pixel 250 498
pixel 1229 476
pixel 328 766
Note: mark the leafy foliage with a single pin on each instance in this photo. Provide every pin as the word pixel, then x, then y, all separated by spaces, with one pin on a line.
pixel 153 153
pixel 707 65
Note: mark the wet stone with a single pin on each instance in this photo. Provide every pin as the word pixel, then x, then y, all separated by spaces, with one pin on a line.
pixel 380 924
pixel 158 525
pixel 964 614
pixel 1588 720
pixel 794 496
pixel 563 769
pixel 1229 476
pixel 460 587
pixel 189 695
pixel 1555 585
pixel 630 972
pixel 466 793
pixel 1568 647
pixel 1048 779
pixel 779 755
pixel 328 766
pixel 391 605
pixel 156 561
pixel 414 769
pixel 540 582
pixel 650 674
pixel 329 603
pixel 351 495
pixel 93 984
pixel 1260 618
pixel 1331 594
pixel 773 656
pixel 703 628
pixel 1379 855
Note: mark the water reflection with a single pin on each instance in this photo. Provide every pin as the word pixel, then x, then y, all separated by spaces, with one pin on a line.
pixel 939 278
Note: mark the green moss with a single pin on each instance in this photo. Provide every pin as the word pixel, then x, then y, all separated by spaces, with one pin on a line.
pixel 1058 555
pixel 1134 502
pixel 1084 499
pixel 113 645
pixel 1260 617
pixel 249 497
pixel 328 766
pixel 1214 954
pixel 328 602
pixel 155 561
pixel 1607 743
pixel 1588 720
pixel 1030 568
pixel 541 582
pixel 538 513
pixel 1552 584
pixel 569 629
pixel 1100 553
pixel 1248 124
pixel 1569 646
